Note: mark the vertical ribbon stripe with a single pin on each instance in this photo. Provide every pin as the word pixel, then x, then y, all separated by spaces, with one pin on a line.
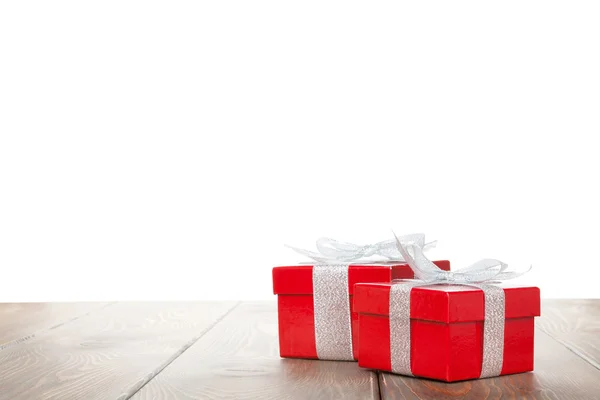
pixel 333 322
pixel 493 328
pixel 493 331
pixel 400 328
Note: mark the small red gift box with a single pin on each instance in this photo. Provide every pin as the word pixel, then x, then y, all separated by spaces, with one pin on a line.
pixel 443 331
pixel 315 310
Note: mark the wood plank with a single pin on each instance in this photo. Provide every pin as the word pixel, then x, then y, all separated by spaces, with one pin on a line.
pixel 559 374
pixel 23 321
pixel 239 359
pixel 576 324
pixel 108 354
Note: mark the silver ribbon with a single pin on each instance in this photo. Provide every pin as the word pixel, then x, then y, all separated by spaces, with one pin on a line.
pixel 333 322
pixel 481 274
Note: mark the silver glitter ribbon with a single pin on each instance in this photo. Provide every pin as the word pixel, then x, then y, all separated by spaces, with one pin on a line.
pixel 333 322
pixel 481 274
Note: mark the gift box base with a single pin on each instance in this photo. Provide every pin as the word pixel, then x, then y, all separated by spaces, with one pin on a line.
pixel 445 351
pixel 296 327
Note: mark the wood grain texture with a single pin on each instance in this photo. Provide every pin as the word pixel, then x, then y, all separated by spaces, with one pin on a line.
pixel 22 321
pixel 108 354
pixel 559 374
pixel 239 359
pixel 576 324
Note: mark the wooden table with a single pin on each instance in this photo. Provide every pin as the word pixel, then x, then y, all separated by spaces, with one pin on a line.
pixel 221 350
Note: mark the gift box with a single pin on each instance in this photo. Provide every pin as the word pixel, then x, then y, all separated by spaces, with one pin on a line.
pixel 446 332
pixel 316 315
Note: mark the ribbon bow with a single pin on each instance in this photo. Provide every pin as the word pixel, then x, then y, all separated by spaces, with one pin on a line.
pixel 486 270
pixel 331 250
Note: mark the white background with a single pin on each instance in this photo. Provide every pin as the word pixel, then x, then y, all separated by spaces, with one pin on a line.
pixel 168 150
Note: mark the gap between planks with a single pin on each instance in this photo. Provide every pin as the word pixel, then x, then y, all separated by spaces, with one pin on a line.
pixel 22 339
pixel 104 355
pixel 572 349
pixel 239 359
pixel 574 323
pixel 144 381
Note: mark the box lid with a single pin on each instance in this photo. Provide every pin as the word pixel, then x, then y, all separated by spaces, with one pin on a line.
pixel 297 279
pixel 447 303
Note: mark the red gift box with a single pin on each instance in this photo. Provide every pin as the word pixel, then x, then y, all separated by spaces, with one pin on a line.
pixel 302 331
pixel 446 330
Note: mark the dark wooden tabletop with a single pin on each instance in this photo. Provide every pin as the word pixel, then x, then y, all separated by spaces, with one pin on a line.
pixel 227 350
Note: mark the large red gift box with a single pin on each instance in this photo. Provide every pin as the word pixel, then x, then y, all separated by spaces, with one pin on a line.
pixel 445 327
pixel 304 333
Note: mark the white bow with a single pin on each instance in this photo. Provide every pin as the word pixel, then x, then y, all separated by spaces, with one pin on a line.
pixel 485 270
pixel 331 250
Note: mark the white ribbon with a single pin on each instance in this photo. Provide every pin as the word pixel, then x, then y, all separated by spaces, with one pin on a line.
pixel 481 274
pixel 331 302
pixel 334 251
